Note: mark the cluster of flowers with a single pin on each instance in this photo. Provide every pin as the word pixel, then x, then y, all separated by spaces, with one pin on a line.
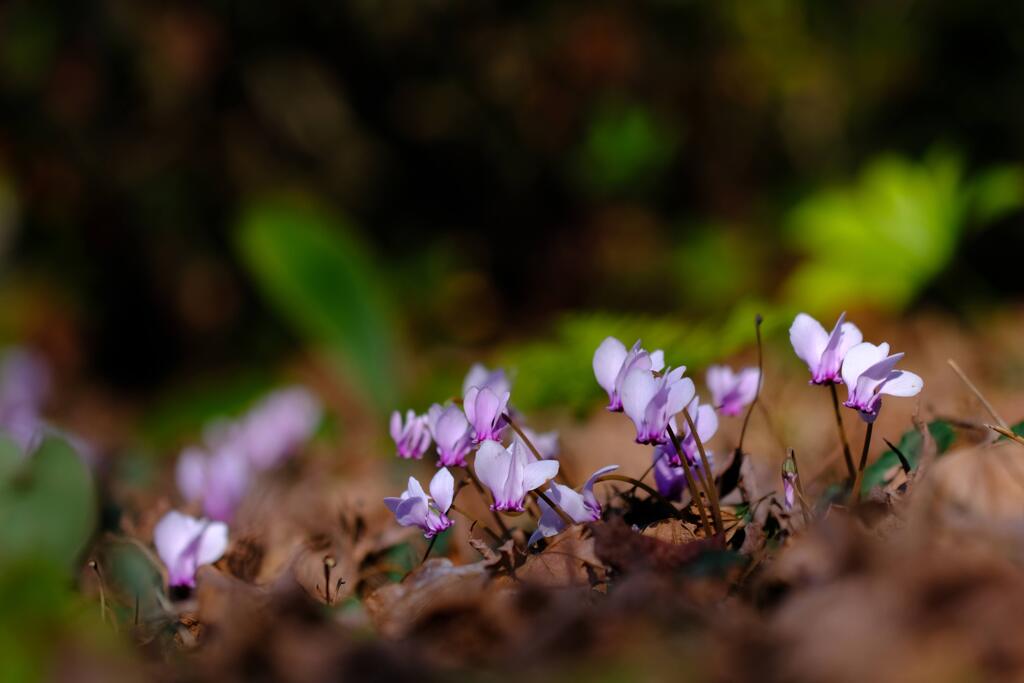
pixel 510 463
pixel 480 434
pixel 651 395
pixel 842 357
pixel 868 371
pixel 217 476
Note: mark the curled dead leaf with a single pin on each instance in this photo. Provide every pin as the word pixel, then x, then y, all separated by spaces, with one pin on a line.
pixel 436 585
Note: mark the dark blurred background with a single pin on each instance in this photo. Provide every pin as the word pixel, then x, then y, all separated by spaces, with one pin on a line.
pixel 190 189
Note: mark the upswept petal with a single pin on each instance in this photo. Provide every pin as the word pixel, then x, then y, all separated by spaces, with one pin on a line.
pixel 607 362
pixel 536 473
pixel 860 358
pixel 492 465
pixel 213 543
pixel 442 489
pixel 809 339
pixel 902 383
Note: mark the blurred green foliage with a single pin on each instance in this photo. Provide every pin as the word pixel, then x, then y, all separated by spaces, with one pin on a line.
pixel 878 241
pixel 877 473
pixel 558 371
pixel 51 496
pixel 47 516
pixel 624 149
pixel 320 280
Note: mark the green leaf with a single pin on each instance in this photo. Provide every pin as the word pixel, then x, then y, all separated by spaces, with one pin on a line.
pixel 626 148
pixel 997 192
pixel 48 508
pixel 311 268
pixel 879 240
pixel 876 473
pixel 11 457
pixel 558 371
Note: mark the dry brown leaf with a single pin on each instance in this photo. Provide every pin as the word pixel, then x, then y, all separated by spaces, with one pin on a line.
pixel 568 560
pixel 624 549
pixel 436 585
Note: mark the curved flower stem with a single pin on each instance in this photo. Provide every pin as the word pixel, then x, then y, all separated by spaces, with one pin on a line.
pixel 569 521
pixel 475 521
pixel 433 540
pixel 643 476
pixel 533 449
pixel 855 494
pixel 480 489
pixel 842 432
pixel 676 512
pixel 760 380
pixel 691 483
pixel 708 477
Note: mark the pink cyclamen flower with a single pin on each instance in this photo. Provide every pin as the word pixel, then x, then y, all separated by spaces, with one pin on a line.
pixel 869 371
pixel 650 401
pixel 219 480
pixel 580 507
pixel 185 543
pixel 485 411
pixel 479 376
pixel 510 474
pixel 452 433
pixel 789 476
pixel 415 508
pixel 278 426
pixel 671 479
pixel 706 420
pixel 822 351
pixel 612 362
pixel 412 437
pixel 732 391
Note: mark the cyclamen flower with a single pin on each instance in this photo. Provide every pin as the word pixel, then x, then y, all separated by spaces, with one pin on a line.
pixel 219 480
pixel 869 371
pixel 479 376
pixel 671 479
pixel 510 475
pixel 612 363
pixel 650 401
pixel 413 437
pixel 732 391
pixel 185 543
pixel 25 381
pixel 452 434
pixel 823 352
pixel 415 508
pixel 789 476
pixel 277 426
pixel 707 425
pixel 486 410
pixel 581 507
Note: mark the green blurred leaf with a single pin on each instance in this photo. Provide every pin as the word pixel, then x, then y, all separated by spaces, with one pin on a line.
pixel 879 241
pixel 626 148
pixel 876 473
pixel 185 410
pixel 997 192
pixel 11 458
pixel 558 371
pixel 315 273
pixel 48 508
